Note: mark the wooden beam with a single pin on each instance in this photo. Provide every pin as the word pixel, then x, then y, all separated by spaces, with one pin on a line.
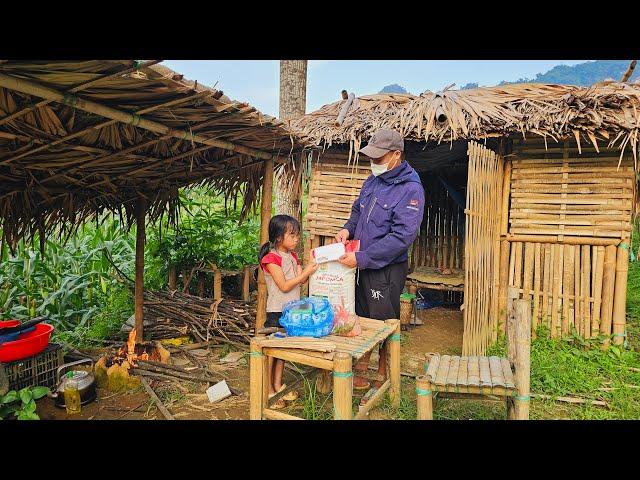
pixel 32 88
pixel 265 217
pixel 77 88
pixel 141 210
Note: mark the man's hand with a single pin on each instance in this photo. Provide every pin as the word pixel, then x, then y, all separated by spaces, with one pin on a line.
pixel 342 236
pixel 349 260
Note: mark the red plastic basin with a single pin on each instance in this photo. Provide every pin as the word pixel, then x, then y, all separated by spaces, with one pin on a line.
pixel 9 324
pixel 27 344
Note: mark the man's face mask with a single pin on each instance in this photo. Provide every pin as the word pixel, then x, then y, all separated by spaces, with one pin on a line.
pixel 379 169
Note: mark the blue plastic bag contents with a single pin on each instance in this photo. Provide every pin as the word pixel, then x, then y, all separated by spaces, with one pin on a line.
pixel 307 317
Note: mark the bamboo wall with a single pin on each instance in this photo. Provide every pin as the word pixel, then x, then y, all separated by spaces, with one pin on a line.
pixel 566 248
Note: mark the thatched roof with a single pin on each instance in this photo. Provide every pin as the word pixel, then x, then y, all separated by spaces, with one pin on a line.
pixel 605 114
pixel 84 137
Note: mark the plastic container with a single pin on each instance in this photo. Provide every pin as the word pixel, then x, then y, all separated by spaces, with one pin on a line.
pixel 308 317
pixel 39 370
pixel 27 344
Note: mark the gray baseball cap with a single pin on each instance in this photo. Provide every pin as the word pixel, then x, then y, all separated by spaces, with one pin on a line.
pixel 382 142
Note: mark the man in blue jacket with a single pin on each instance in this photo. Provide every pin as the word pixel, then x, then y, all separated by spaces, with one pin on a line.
pixel 386 219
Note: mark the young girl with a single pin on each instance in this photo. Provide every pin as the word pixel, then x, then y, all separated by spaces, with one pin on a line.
pixel 283 275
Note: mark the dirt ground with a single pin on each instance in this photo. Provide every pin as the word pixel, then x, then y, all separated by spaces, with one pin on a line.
pixel 441 332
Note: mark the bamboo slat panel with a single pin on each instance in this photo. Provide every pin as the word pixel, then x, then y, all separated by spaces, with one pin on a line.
pixel 568 286
pixel 564 194
pixel 482 227
pixel 334 187
pixel 454 373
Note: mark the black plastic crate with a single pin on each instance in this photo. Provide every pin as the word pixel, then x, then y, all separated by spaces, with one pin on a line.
pixel 39 370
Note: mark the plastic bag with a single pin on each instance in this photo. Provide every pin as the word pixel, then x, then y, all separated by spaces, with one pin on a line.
pixel 307 317
pixel 345 324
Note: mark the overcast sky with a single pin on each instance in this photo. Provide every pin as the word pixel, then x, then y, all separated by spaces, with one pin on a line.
pixel 256 81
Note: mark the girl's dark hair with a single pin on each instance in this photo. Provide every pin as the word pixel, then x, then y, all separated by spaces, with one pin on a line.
pixel 278 226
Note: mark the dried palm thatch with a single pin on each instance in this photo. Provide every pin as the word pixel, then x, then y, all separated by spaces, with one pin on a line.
pixel 607 112
pixel 367 114
pixel 81 138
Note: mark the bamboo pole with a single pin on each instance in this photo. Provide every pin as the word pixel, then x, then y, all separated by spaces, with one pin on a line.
pixel 424 398
pixel 265 217
pixel 577 285
pixel 529 252
pixel 567 288
pixel 620 293
pixel 608 288
pixel 557 270
pixel 546 285
pixel 567 240
pixel 585 304
pixel 506 190
pixel 394 363
pixel 141 211
pixel 505 248
pixel 342 386
pixel 536 288
pixel 523 358
pixel 597 290
pixel 256 358
pixel 32 88
pixel 246 278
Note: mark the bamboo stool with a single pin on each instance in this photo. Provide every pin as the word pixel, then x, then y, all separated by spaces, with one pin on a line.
pixel 348 351
pixel 478 377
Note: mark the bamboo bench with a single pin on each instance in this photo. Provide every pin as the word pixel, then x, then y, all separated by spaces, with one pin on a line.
pixel 348 350
pixel 480 376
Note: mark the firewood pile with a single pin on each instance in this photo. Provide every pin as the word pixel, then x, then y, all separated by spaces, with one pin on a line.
pixel 176 314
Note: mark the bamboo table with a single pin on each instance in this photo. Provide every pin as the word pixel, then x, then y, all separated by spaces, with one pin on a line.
pixel 348 351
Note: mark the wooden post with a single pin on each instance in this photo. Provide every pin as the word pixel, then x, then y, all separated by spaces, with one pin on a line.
pixel 141 210
pixel 265 216
pixel 505 248
pixel 256 374
pixel 342 386
pixel 608 288
pixel 523 358
pixel 173 277
pixel 394 364
pixel 620 292
pixel 425 398
pixel 246 278
pixel 217 284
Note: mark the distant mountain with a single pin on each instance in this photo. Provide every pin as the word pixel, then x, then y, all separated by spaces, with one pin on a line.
pixel 394 88
pixel 583 74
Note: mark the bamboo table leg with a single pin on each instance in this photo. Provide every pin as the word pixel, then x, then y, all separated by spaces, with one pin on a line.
pixel 394 366
pixel 256 380
pixel 425 398
pixel 342 386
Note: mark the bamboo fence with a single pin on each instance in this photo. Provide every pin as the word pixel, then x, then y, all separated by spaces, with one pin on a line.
pixel 481 248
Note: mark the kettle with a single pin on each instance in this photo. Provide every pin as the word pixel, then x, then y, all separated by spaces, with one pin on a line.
pixel 86 383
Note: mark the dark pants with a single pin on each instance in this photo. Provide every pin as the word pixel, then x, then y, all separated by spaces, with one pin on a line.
pixel 378 291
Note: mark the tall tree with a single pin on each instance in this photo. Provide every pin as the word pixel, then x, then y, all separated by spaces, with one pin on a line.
pixel 293 102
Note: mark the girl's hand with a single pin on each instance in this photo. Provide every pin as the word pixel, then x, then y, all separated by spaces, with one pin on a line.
pixel 310 268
